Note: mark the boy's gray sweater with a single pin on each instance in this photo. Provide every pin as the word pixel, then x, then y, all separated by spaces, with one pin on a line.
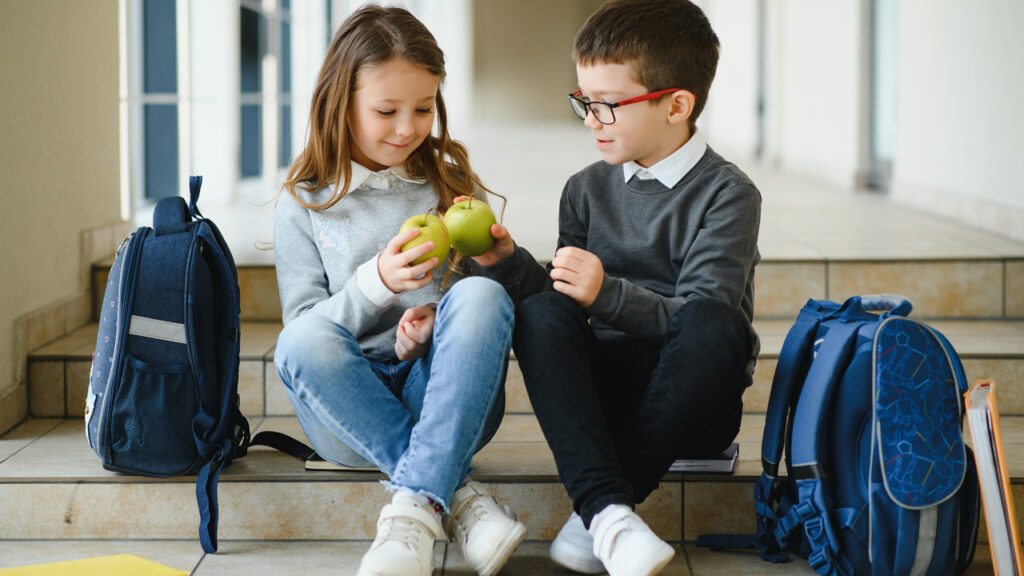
pixel 660 247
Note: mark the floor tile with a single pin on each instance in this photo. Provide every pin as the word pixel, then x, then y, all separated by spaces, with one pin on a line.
pixel 24 434
pixel 180 555
pixel 705 562
pixel 531 559
pixel 257 558
pixel 258 338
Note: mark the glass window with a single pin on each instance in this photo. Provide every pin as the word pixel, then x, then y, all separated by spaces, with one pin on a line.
pixel 284 148
pixel 159 100
pixel 252 50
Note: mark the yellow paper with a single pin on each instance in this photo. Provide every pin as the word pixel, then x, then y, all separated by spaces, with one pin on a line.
pixel 120 565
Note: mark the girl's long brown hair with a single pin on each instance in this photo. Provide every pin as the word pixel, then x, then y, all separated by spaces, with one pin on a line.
pixel 370 36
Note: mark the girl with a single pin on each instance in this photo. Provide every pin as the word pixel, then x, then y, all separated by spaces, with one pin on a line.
pixel 384 366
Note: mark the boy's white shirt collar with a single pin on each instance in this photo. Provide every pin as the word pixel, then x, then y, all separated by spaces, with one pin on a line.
pixel 670 170
pixel 379 180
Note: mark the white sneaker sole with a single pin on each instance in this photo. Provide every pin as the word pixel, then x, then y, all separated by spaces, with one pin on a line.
pixel 574 558
pixel 504 551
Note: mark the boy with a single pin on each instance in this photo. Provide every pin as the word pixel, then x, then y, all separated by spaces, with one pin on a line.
pixel 636 343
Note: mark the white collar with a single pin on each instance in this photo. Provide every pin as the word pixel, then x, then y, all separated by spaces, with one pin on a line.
pixel 363 176
pixel 671 169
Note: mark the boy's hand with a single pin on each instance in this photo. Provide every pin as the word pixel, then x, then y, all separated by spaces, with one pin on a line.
pixel 415 329
pixel 578 274
pixel 393 264
pixel 502 248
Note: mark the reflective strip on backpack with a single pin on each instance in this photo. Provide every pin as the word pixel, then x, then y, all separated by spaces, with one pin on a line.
pixel 157 329
pixel 926 530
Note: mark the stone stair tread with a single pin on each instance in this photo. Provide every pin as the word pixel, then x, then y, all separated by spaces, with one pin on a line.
pixel 54 450
pixel 971 338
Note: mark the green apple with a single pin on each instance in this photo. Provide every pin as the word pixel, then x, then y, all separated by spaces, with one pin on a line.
pixel 469 223
pixel 431 228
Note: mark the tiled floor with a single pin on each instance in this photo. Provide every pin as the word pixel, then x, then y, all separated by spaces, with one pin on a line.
pixel 260 558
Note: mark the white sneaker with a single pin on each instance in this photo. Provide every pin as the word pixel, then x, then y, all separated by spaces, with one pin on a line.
pixel 574 548
pixel 625 545
pixel 486 530
pixel 404 545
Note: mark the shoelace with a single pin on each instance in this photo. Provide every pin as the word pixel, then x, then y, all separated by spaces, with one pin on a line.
pixel 477 510
pixel 407 532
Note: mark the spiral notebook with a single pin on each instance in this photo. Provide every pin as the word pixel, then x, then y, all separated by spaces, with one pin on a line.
pixel 994 478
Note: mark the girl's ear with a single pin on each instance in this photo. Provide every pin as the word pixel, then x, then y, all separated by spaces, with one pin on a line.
pixel 681 106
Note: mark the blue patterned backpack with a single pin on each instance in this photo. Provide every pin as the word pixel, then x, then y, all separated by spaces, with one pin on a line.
pixel 868 409
pixel 163 389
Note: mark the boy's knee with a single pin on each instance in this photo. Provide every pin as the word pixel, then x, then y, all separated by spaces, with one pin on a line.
pixel 709 320
pixel 545 305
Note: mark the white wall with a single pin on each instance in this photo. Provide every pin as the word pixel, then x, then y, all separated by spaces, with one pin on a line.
pixel 58 155
pixel 960 132
pixel 730 119
pixel 522 61
pixel 815 104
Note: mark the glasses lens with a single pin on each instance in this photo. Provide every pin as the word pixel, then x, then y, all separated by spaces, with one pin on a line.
pixel 578 107
pixel 602 112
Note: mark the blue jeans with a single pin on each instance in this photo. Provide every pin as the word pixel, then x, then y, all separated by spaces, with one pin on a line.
pixel 419 421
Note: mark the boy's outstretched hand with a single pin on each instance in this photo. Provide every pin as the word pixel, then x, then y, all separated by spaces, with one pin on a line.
pixel 578 274
pixel 415 329
pixel 502 248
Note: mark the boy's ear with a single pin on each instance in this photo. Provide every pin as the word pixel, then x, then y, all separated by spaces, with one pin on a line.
pixel 681 106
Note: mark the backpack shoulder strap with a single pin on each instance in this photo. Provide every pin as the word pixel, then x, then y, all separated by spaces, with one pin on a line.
pixel 812 510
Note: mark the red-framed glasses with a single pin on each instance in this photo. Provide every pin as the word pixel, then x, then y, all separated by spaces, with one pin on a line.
pixel 604 112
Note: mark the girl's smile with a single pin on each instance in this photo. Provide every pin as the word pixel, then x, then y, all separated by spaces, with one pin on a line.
pixel 391 112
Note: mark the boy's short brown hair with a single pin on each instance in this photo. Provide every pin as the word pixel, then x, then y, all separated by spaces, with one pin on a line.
pixel 669 42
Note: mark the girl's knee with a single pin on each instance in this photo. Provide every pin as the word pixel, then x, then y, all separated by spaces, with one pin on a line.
pixel 306 339
pixel 480 294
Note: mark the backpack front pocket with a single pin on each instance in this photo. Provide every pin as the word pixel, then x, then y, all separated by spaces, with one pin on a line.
pixel 145 437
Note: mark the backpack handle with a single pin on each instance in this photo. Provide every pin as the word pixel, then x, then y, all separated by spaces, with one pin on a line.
pixel 194 184
pixel 859 308
pixel 890 304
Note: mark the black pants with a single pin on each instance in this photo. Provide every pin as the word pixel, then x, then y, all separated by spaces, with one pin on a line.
pixel 617 411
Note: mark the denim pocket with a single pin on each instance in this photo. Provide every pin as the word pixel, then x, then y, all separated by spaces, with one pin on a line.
pixel 151 419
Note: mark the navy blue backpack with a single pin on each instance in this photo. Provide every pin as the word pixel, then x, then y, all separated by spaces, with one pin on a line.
pixel 163 389
pixel 868 409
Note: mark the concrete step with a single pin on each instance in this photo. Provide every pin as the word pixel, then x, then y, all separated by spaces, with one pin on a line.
pixel 52 487
pixel 59 372
pixel 977 287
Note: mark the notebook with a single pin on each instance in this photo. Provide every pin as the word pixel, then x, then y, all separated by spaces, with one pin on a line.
pixel 724 463
pixel 994 478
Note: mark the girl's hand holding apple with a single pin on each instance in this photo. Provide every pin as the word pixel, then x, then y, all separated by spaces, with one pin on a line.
pixel 396 268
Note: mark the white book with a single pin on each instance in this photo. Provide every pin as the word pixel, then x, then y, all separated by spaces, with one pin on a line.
pixel 994 478
pixel 724 463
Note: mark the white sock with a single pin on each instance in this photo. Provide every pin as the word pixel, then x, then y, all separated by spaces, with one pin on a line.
pixel 416 497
